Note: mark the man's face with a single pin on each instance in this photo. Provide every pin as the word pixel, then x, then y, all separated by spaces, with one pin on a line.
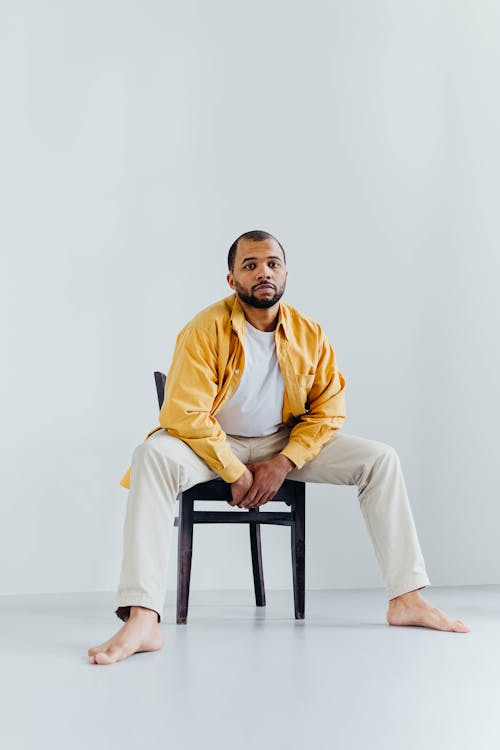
pixel 259 274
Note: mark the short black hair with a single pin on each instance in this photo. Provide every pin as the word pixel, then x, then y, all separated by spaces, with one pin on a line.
pixel 255 234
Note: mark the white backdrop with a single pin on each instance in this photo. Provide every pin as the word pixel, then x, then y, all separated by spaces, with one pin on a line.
pixel 138 140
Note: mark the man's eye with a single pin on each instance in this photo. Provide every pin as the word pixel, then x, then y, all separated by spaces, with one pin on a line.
pixel 248 265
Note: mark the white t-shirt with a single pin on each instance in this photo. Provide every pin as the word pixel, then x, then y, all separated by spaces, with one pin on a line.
pixel 255 408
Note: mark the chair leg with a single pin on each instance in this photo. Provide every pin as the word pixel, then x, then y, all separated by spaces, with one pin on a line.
pixel 184 555
pixel 298 538
pixel 258 572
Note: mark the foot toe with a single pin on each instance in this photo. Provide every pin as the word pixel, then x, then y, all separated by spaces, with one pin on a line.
pixel 95 649
pixel 103 658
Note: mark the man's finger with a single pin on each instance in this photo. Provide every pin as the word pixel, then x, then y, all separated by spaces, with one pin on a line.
pixel 264 499
pixel 254 504
pixel 236 501
pixel 247 503
pixel 243 501
pixel 253 494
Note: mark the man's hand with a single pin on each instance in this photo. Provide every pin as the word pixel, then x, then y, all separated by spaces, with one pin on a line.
pixel 240 488
pixel 268 476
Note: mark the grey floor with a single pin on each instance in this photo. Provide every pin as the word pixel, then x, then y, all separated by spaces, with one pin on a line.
pixel 240 677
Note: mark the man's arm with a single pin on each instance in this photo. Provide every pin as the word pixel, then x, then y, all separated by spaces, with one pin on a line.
pixel 190 389
pixel 326 412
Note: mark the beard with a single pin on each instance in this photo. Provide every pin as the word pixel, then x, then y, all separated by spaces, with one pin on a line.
pixel 254 301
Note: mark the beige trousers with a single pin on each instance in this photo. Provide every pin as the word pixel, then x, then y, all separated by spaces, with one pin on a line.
pixel 163 466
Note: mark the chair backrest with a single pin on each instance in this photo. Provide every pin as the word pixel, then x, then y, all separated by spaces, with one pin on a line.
pixel 160 378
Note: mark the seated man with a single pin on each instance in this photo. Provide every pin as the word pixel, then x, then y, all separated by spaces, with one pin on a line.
pixel 254 395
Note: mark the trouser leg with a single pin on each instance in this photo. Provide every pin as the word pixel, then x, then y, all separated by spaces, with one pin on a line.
pixel 162 466
pixel 376 470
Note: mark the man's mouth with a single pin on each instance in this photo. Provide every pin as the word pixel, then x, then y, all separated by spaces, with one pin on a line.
pixel 264 286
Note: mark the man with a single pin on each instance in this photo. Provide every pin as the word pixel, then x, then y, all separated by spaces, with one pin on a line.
pixel 253 377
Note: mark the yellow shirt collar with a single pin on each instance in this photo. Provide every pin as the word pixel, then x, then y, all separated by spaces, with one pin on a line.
pixel 238 316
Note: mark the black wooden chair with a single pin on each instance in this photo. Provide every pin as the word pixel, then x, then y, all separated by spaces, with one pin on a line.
pixel 291 492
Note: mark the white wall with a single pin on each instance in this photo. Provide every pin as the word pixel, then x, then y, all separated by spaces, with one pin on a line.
pixel 138 140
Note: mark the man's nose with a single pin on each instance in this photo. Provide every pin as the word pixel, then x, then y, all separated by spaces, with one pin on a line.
pixel 264 273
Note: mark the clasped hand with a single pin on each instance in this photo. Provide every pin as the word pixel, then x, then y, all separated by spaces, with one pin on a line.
pixel 260 482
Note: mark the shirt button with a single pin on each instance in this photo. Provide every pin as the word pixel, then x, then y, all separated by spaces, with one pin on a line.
pixel 237 372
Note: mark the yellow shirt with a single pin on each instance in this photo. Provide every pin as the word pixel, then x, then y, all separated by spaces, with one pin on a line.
pixel 206 368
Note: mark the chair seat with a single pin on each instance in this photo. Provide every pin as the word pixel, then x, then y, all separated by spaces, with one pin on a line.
pixel 217 489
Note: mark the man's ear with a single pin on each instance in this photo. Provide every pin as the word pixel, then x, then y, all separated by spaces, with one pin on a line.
pixel 230 280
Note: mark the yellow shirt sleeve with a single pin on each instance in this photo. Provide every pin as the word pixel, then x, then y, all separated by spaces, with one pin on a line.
pixel 326 411
pixel 190 389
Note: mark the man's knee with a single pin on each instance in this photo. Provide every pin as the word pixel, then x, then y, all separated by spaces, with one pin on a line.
pixel 380 457
pixel 143 452
pixel 152 449
pixel 382 452
pixel 164 450
pixel 158 458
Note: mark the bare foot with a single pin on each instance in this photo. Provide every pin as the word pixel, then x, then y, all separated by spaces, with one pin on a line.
pixel 412 609
pixel 141 632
